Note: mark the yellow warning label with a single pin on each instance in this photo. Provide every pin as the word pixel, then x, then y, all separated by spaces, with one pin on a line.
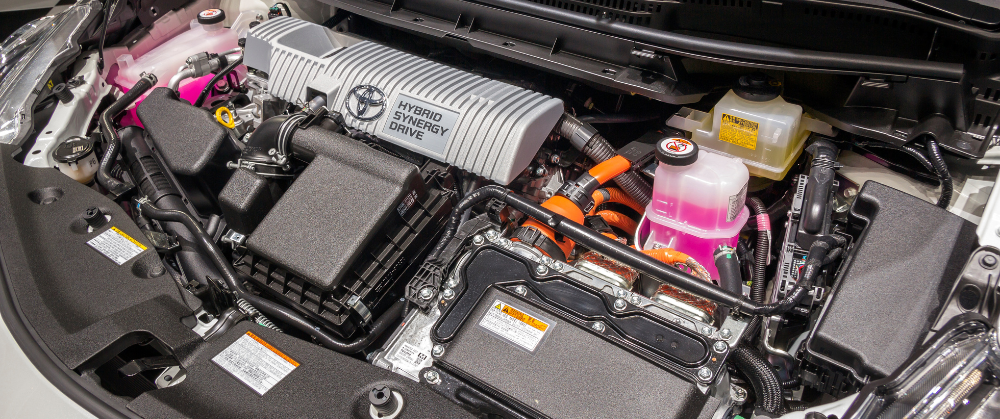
pixel 739 131
pixel 524 318
pixel 134 241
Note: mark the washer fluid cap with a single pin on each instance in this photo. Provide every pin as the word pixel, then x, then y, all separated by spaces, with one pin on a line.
pixel 210 16
pixel 676 151
pixel 757 87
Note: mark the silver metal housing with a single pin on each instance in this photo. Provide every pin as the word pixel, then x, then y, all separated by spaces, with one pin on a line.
pixel 487 127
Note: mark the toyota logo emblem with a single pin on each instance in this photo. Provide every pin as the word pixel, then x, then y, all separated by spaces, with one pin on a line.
pixel 365 102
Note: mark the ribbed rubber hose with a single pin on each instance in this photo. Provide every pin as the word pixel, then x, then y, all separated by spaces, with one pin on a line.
pixel 269 307
pixel 598 149
pixel 763 379
pixel 215 79
pixel 937 159
pixel 114 186
pixel 759 287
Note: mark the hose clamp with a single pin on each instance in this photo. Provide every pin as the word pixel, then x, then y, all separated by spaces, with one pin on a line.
pixel 533 237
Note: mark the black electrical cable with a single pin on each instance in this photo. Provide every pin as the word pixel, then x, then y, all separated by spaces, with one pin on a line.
pixel 104 178
pixel 215 79
pixel 917 155
pixel 821 252
pixel 598 149
pixel 941 168
pixel 618 118
pixel 763 379
pixel 265 306
pixel 758 286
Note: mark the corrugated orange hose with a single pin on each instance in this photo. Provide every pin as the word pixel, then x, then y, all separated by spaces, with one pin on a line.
pixel 615 195
pixel 617 219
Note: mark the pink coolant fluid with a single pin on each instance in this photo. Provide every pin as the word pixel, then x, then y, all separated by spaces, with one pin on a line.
pixel 698 201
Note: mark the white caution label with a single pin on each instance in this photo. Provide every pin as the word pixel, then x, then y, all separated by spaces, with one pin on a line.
pixel 412 355
pixel 514 325
pixel 116 245
pixel 255 363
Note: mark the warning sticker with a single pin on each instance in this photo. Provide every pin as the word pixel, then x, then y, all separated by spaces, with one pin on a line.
pixel 255 363
pixel 739 131
pixel 515 325
pixel 411 355
pixel 116 245
pixel 736 203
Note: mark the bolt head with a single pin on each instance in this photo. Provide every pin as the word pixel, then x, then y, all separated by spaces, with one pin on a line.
pixel 598 326
pixel 720 346
pixel 988 261
pixel 452 282
pixel 707 331
pixel 541 269
pixel 448 293
pixel 520 290
pixel 738 394
pixel 478 240
pixel 726 333
pixel 437 350
pixel 491 234
pixel 705 374
pixel 619 304
pixel 557 265
pixel 635 299
pixel 432 377
pixel 621 293
pixel 540 172
pixel 426 293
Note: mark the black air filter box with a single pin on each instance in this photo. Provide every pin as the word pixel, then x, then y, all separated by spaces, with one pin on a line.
pixel 908 254
pixel 351 224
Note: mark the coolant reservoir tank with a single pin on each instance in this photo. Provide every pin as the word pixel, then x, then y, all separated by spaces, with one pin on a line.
pixel 753 123
pixel 698 201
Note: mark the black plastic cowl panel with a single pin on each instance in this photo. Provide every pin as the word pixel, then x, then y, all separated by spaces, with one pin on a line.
pixel 892 284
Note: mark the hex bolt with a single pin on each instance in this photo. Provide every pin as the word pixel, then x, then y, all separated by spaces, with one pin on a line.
pixel 452 282
pixel 520 290
pixel 707 331
pixel 426 293
pixel 705 374
pixel 491 234
pixel 478 240
pixel 432 377
pixel 720 346
pixel 448 293
pixel 437 350
pixel 725 333
pixel 635 299
pixel 620 293
pixel 541 269
pixel 738 394
pixel 619 304
pixel 557 265
pixel 598 326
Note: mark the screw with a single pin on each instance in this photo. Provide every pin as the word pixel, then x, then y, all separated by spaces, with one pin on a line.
pixel 448 293
pixel 620 293
pixel 432 377
pixel 540 172
pixel 437 351
pixel 520 290
pixel 557 265
pixel 491 234
pixel 477 240
pixel 988 261
pixel 452 282
pixel 598 326
pixel 707 331
pixel 635 299
pixel 725 333
pixel 849 192
pixel 705 374
pixel 426 293
pixel 546 260
pixel 619 304
pixel 720 346
pixel 739 394
pixel 541 269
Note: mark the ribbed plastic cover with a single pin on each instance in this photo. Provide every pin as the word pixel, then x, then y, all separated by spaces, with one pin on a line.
pixel 484 126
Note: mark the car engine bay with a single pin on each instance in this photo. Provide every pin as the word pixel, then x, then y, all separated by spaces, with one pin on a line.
pixel 352 208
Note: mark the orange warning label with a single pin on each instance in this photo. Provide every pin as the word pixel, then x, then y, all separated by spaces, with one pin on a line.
pixel 517 314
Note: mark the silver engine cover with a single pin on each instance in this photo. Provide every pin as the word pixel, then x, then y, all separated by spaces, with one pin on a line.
pixel 487 127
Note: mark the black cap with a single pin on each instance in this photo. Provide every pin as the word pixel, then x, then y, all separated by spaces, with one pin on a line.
pixel 73 149
pixel 757 87
pixel 210 16
pixel 676 151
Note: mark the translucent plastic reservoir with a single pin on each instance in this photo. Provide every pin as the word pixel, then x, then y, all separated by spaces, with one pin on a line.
pixel 165 59
pixel 696 208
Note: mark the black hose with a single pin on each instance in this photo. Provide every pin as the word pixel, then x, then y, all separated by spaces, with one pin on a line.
pixel 265 306
pixel 618 118
pixel 586 139
pixel 758 287
pixel 215 79
pixel 792 383
pixel 728 265
pixel 114 186
pixel 941 168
